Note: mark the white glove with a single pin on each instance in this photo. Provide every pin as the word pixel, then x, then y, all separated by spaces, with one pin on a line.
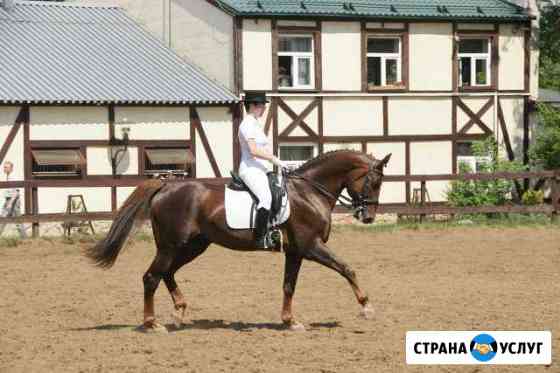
pixel 278 163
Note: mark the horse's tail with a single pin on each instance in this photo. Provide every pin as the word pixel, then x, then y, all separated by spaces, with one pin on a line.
pixel 135 209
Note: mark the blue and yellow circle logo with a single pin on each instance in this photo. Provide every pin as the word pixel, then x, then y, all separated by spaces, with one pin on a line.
pixel 483 347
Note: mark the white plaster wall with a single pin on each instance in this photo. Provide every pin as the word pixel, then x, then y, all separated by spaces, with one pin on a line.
pixel 257 54
pixel 296 23
pixel 475 26
pixel 15 154
pixel 203 34
pixel 436 190
pixel 298 105
pixel 99 161
pixel 328 147
pixel 196 30
pixel 392 192
pixel 352 116
pixel 429 158
pixel 431 56
pixel 54 200
pixel 122 194
pixel 475 104
pixel 341 56
pixel 219 131
pixel 69 123
pixel 513 116
pixel 512 57
pixel 419 116
pixel 153 123
pixel 397 163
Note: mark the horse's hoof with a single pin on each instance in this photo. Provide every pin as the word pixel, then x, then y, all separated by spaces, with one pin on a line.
pixel 153 328
pixel 296 327
pixel 178 317
pixel 367 312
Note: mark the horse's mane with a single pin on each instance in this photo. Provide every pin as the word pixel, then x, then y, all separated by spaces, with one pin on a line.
pixel 321 157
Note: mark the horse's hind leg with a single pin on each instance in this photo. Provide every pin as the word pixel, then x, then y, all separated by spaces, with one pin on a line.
pixel 321 254
pixel 188 253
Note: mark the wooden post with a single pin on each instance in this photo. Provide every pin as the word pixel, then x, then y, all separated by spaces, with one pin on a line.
pixel 35 211
pixel 422 198
pixel 555 196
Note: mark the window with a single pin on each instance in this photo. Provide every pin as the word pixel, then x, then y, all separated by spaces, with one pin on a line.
pixel 57 162
pixel 297 154
pixel 474 62
pixel 168 160
pixel 466 160
pixel 384 55
pixel 295 62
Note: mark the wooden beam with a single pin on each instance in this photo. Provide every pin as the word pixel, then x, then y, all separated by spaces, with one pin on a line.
pixel 21 117
pixel 385 116
pixel 268 121
pixel 320 124
pixel 298 120
pixel 475 118
pixel 195 119
pixel 505 132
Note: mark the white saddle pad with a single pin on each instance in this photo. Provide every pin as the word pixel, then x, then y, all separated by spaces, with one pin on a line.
pixel 239 205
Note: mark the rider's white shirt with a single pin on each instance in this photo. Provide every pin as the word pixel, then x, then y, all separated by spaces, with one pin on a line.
pixel 250 129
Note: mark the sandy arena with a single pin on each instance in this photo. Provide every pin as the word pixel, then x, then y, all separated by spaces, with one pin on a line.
pixel 59 313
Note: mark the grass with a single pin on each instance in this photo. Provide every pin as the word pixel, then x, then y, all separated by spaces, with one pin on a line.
pixel 464 222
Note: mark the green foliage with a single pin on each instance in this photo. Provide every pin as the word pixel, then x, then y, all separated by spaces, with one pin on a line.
pixel 484 192
pixel 9 242
pixel 545 152
pixel 533 197
pixel 549 45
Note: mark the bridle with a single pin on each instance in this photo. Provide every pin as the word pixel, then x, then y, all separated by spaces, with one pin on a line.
pixel 359 204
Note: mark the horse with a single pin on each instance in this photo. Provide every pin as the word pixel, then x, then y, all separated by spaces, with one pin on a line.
pixel 188 216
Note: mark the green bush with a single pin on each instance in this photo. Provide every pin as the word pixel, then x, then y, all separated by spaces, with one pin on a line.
pixel 545 152
pixel 484 192
pixel 533 197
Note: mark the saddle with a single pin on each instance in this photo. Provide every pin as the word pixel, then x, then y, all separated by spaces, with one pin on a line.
pixel 277 191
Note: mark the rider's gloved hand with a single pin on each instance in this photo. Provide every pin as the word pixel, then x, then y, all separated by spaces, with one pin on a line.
pixel 278 163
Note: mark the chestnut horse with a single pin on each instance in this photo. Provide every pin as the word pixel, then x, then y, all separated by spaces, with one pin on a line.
pixel 188 216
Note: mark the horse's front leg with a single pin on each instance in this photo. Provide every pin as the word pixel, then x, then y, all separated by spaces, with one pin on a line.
pixel 291 271
pixel 321 254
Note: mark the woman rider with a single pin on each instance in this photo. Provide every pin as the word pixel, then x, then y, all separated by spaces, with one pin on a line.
pixel 256 152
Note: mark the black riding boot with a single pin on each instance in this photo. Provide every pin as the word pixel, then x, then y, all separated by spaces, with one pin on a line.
pixel 261 228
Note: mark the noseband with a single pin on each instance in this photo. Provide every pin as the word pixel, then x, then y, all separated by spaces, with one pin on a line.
pixel 362 202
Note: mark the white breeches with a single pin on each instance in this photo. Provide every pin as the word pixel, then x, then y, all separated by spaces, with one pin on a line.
pixel 257 181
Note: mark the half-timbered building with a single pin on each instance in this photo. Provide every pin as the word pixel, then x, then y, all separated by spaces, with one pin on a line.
pixel 419 79
pixel 91 103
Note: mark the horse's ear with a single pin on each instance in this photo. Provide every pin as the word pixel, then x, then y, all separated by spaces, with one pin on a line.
pixel 385 160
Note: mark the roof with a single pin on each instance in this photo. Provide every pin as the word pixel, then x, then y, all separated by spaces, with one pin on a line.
pixel 57 53
pixel 473 10
pixel 549 96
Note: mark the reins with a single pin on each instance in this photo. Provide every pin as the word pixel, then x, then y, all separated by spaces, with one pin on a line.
pixel 350 203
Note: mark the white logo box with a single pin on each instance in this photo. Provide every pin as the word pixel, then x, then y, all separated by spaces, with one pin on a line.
pixel 513 347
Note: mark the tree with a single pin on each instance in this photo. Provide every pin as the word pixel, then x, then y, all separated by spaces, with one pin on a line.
pixel 549 45
pixel 545 152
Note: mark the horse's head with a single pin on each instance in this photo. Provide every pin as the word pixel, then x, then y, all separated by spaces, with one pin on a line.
pixel 364 187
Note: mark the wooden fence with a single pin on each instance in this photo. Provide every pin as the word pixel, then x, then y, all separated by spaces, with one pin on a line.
pixel 421 209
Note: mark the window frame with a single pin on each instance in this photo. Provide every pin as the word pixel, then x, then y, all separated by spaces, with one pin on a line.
pixel 387 33
pixel 187 172
pixel 81 167
pixel 492 64
pixel 297 163
pixel 474 57
pixel 471 160
pixel 384 57
pixel 295 61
